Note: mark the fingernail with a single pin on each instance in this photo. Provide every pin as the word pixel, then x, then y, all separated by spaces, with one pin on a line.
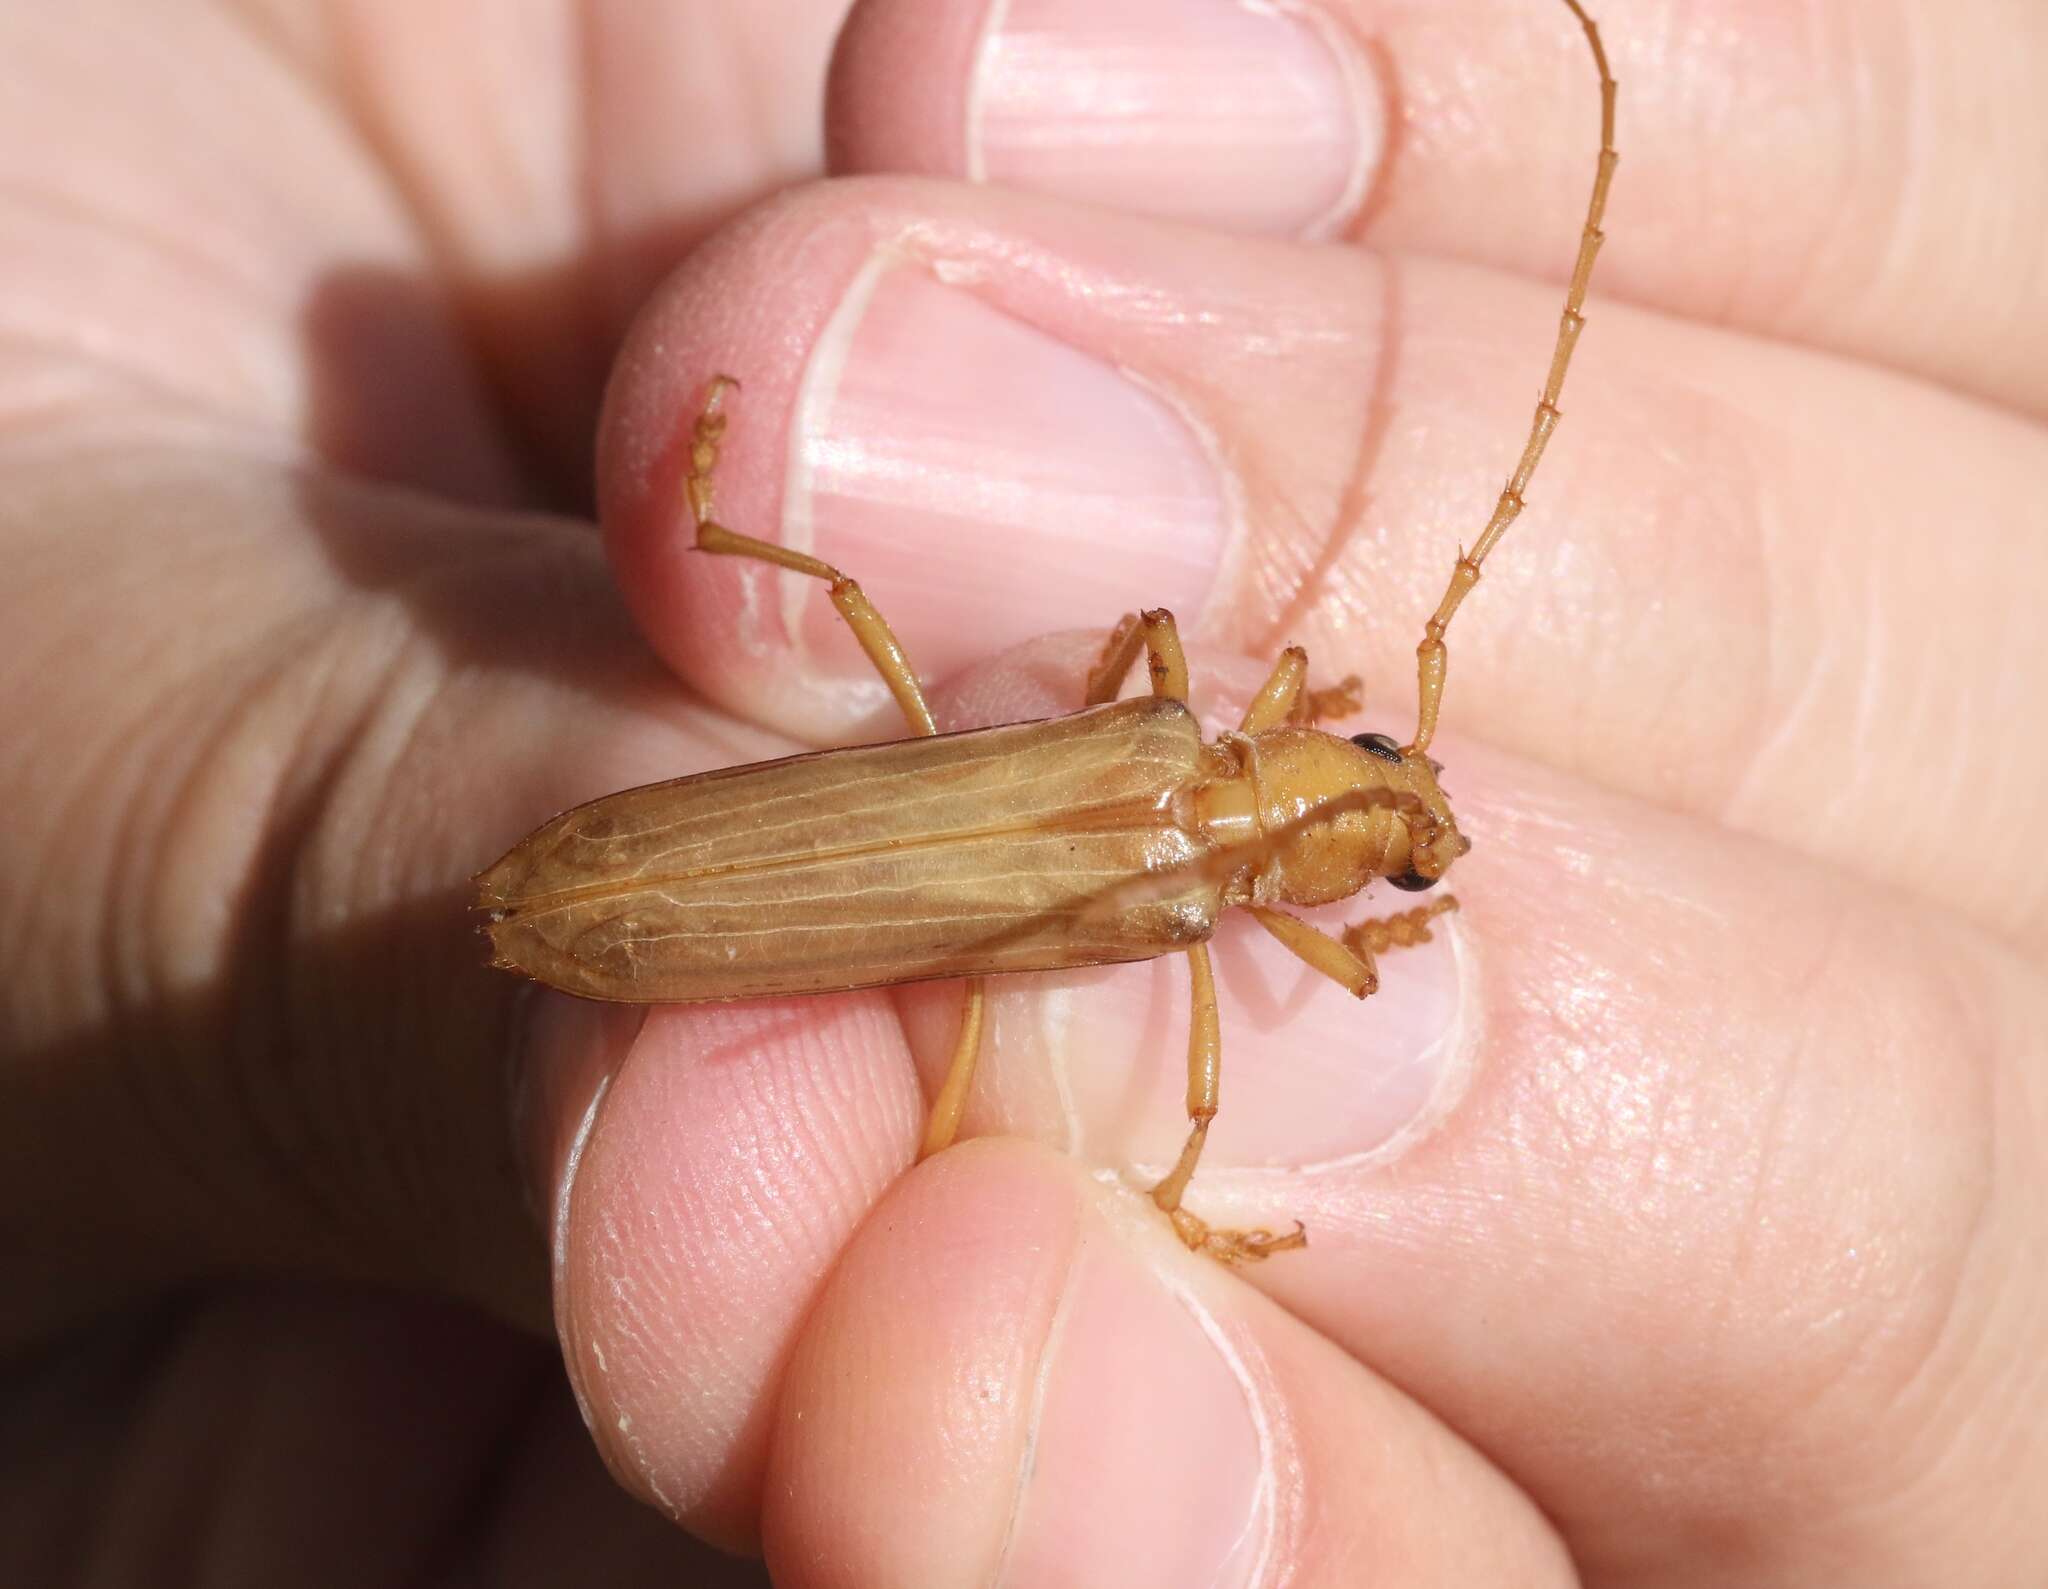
pixel 985 481
pixel 1149 1461
pixel 1313 1078
pixel 1252 115
pixel 570 1050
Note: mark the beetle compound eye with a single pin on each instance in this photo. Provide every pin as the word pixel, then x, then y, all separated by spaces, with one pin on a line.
pixel 1413 882
pixel 1379 745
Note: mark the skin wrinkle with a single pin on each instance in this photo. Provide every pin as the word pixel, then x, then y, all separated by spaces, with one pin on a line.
pixel 1891 79
pixel 1742 1260
pixel 157 903
pixel 378 161
pixel 263 27
pixel 1356 496
pixel 1040 1380
pixel 420 704
pixel 88 350
pixel 107 779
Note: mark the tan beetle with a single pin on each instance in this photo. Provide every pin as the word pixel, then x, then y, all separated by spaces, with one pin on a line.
pixel 1114 834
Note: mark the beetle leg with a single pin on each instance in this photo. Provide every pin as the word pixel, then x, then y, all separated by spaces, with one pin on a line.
pixel 951 1102
pixel 885 651
pixel 1280 696
pixel 1342 699
pixel 1402 930
pixel 1351 961
pixel 1156 632
pixel 1350 968
pixel 1285 698
pixel 1205 1065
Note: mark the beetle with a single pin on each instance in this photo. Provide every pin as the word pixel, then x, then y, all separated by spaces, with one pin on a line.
pixel 1114 834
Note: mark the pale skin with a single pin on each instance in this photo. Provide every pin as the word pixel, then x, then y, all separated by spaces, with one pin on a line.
pixel 1724 1267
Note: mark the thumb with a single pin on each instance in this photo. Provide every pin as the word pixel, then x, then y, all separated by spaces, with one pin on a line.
pixel 255 1028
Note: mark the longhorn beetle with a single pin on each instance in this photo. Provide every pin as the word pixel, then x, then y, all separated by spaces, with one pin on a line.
pixel 1114 834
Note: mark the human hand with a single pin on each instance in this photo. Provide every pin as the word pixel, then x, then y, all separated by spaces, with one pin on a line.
pixel 1674 1218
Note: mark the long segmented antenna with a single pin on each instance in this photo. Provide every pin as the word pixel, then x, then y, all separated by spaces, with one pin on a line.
pixel 1430 655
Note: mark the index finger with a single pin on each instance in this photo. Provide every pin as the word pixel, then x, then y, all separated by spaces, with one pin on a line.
pixel 1834 173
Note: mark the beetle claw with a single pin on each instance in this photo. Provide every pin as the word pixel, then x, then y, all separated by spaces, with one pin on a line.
pixel 1234 1247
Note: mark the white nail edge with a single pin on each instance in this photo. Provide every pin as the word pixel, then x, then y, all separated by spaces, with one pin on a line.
pixel 558 1245
pixel 1461 1062
pixel 1361 91
pixel 1226 1183
pixel 974 157
pixel 1231 562
pixel 857 694
pixel 1265 1504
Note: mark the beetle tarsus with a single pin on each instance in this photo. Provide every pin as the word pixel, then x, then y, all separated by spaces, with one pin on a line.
pixel 1235 1247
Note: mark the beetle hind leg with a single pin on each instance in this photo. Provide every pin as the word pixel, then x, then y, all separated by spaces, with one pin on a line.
pixel 884 650
pixel 1205 1060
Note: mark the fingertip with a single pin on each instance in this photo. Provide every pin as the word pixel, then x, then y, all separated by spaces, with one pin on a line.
pixel 1265 120
pixel 901 1434
pixel 897 94
pixel 1015 1376
pixel 975 511
pixel 730 1157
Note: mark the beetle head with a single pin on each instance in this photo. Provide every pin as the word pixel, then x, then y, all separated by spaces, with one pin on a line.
pixel 1338 813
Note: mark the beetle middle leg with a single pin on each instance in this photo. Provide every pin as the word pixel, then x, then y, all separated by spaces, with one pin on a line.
pixel 883 649
pixel 1283 698
pixel 1286 697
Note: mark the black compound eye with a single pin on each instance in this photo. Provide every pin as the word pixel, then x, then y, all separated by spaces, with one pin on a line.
pixel 1413 882
pixel 1379 745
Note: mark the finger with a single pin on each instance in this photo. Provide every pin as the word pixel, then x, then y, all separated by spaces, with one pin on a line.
pixel 1008 1378
pixel 1262 119
pixel 1651 1158
pixel 1747 1187
pixel 1285 444
pixel 701 1194
pixel 1868 179
pixel 1711 1137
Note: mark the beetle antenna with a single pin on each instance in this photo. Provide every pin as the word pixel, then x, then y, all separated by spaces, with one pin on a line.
pixel 1430 655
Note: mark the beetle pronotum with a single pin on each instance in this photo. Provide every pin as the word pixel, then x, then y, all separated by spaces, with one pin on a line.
pixel 1114 834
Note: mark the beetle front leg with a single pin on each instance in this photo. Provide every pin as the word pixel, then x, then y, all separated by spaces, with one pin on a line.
pixel 876 638
pixel 1205 1067
pixel 1352 961
pixel 1402 930
pixel 883 649
pixel 1286 697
